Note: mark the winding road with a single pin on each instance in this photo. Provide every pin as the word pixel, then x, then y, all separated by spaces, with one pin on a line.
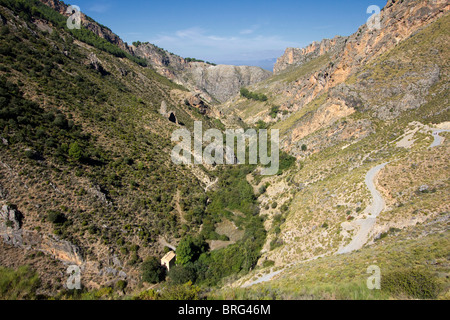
pixel 264 278
pixel 438 140
pixel 366 225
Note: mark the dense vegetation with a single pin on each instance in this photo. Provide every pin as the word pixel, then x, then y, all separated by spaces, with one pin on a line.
pixel 45 132
pixel 253 95
pixel 417 284
pixel 54 109
pixel 198 60
pixel 236 202
pixel 18 284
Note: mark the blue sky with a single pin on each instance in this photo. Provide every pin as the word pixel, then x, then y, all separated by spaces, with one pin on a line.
pixel 225 31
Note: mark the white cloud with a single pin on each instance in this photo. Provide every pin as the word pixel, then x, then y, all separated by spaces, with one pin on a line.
pixel 197 42
pixel 247 31
pixel 250 30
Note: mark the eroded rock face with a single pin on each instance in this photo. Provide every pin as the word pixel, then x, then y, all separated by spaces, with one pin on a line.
pixel 196 102
pixel 170 115
pixel 13 234
pixel 297 57
pixel 96 64
pixel 10 217
pixel 343 58
pixel 224 81
pixel 399 20
pixel 212 83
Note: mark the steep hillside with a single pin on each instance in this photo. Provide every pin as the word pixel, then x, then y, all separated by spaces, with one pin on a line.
pixel 86 175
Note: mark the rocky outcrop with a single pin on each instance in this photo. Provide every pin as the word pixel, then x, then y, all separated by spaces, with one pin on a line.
pixel 13 234
pixel 94 63
pixel 224 81
pixel 10 218
pixel 212 83
pixel 297 57
pixel 170 115
pixel 196 102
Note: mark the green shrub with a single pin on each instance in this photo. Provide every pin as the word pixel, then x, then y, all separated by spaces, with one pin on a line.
pixel 274 111
pixel 412 283
pixel 275 243
pixel 18 284
pixel 75 151
pixel 121 285
pixel 152 271
pixel 189 250
pixel 268 263
pixel 261 125
pixel 56 217
pixel 184 292
pixel 252 95
pixel 262 189
pixel 182 274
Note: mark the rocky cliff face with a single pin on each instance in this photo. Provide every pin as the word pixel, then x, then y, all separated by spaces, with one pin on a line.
pixel 297 57
pixel 399 20
pixel 302 75
pixel 213 83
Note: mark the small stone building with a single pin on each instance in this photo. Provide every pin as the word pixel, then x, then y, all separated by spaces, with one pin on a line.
pixel 168 260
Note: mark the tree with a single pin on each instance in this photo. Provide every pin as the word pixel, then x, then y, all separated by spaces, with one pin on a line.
pixel 304 147
pixel 75 151
pixel 190 249
pixel 185 251
pixel 152 271
pixel 56 217
pixel 182 274
pixel 274 111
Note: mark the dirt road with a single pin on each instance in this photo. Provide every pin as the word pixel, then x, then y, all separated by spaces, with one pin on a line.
pixel 366 225
pixel 438 140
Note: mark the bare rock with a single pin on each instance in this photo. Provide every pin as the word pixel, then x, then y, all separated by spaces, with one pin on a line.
pixel 10 217
pixel 196 102
pixel 219 83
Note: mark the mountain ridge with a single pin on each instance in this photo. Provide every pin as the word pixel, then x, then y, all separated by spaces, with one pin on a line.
pixel 199 77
